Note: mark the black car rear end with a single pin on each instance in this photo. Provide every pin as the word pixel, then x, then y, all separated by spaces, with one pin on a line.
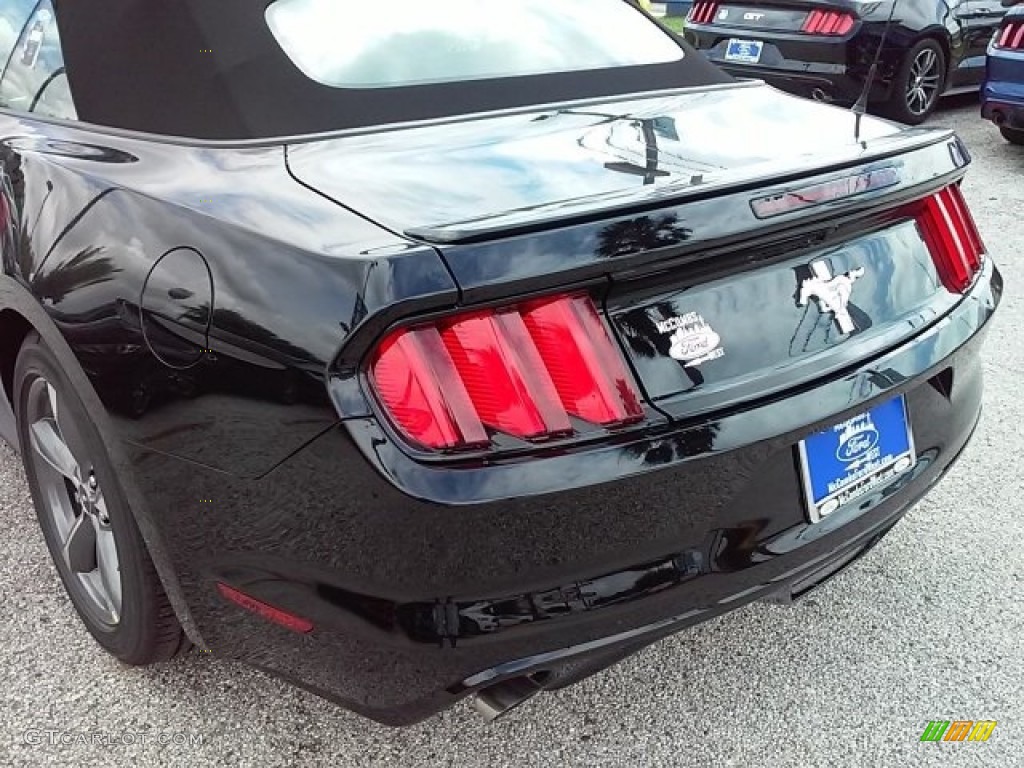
pixel 591 364
pixel 407 566
pixel 819 50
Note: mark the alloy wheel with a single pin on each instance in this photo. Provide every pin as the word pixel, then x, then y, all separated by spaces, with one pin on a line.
pixel 73 501
pixel 923 82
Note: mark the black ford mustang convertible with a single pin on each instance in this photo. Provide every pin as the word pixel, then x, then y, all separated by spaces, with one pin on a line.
pixel 463 356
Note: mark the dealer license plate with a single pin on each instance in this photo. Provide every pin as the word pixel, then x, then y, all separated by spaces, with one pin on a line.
pixel 745 51
pixel 847 461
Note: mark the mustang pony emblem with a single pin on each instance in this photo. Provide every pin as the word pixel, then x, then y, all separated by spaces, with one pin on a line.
pixel 832 293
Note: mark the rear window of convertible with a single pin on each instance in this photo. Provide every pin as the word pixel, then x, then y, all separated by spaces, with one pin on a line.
pixel 249 69
pixel 413 42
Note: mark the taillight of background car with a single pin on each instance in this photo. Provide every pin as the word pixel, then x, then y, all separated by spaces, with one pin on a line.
pixel 702 12
pixel 525 370
pixel 827 23
pixel 1011 36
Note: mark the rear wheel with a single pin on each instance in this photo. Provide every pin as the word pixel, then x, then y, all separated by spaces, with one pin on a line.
pixel 1012 135
pixel 88 527
pixel 918 83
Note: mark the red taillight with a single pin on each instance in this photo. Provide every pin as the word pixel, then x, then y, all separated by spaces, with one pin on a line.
pixel 1011 36
pixel 949 231
pixel 417 381
pixel 267 611
pixel 587 369
pixel 702 12
pixel 827 23
pixel 507 382
pixel 521 370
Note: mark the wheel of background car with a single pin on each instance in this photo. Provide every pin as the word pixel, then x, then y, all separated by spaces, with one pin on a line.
pixel 918 83
pixel 88 527
pixel 1013 135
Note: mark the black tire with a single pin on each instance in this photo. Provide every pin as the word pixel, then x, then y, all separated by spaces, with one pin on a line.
pixel 138 626
pixel 1013 135
pixel 906 103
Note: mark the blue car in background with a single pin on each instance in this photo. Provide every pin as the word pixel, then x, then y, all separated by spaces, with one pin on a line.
pixel 1002 96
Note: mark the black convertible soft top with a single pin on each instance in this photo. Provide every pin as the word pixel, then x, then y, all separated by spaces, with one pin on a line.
pixel 211 69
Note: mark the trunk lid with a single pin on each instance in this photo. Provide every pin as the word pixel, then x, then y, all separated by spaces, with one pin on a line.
pixel 700 345
pixel 468 179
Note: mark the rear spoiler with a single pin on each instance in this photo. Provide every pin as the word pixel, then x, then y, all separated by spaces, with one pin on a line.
pixel 700 185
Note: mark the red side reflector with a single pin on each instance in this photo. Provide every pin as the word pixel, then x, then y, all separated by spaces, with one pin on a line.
pixel 948 229
pixel 522 370
pixel 268 612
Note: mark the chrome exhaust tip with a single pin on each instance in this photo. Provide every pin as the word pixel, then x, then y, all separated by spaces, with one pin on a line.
pixel 819 95
pixel 497 700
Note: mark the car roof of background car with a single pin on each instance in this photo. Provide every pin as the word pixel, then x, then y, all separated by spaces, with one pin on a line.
pixel 213 70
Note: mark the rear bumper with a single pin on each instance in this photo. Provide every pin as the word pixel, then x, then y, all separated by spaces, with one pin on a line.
pixel 1002 95
pixel 560 565
pixel 829 69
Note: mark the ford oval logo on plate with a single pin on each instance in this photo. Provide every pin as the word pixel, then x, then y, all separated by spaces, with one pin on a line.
pixel 857 445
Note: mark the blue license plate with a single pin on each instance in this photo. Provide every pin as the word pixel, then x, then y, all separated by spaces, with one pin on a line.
pixel 746 51
pixel 846 461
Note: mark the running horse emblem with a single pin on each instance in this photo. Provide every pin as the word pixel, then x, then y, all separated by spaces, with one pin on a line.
pixel 833 293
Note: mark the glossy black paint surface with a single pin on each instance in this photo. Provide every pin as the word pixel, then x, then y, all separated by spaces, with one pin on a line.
pixel 214 305
pixel 669 527
pixel 839 65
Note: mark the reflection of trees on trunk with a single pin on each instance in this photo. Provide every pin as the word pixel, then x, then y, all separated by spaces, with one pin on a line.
pixel 643 233
pixel 83 270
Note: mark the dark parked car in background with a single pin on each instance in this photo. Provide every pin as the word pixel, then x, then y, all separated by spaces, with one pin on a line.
pixel 464 356
pixel 1002 96
pixel 825 49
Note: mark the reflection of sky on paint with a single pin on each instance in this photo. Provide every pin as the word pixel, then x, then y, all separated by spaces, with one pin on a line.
pixel 22 80
pixel 354 45
pixel 443 174
pixel 249 188
pixel 251 280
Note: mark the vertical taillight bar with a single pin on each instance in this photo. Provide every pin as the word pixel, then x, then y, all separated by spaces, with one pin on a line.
pixel 952 237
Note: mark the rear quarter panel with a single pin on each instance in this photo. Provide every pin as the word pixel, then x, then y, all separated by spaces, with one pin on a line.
pixel 218 355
